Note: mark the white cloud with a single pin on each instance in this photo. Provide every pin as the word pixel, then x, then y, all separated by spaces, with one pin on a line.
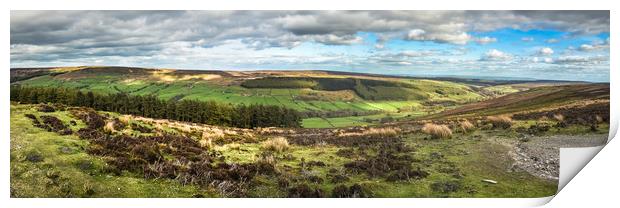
pixel 594 46
pixel 581 60
pixel 496 55
pixel 552 40
pixel 527 39
pixel 485 40
pixel 546 51
pixel 459 38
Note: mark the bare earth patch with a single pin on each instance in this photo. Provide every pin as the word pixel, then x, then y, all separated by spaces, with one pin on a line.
pixel 540 156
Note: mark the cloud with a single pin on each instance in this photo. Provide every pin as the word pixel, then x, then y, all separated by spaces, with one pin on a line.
pixel 288 39
pixel 460 38
pixel 541 60
pixel 338 40
pixel 581 60
pixel 100 28
pixel 496 55
pixel 527 39
pixel 485 40
pixel 546 51
pixel 552 40
pixel 595 46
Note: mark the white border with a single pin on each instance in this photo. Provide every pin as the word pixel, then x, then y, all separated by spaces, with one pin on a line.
pixel 284 5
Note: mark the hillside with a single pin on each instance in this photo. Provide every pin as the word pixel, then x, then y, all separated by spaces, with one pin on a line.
pixel 536 99
pixel 320 94
pixel 326 99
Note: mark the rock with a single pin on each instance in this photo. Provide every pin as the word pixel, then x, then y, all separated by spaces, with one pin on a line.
pixel 66 150
pixel 489 181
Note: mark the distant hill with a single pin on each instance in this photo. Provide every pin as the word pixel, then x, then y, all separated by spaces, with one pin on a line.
pixel 348 98
pixel 532 99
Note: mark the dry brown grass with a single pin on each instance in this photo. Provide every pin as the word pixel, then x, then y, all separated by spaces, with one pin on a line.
pixel 382 132
pixel 500 121
pixel 125 119
pixel 437 131
pixel 276 144
pixel 206 143
pixel 207 139
pixel 233 146
pixel 270 130
pixel 466 126
pixel 599 119
pixel 213 133
pixel 109 127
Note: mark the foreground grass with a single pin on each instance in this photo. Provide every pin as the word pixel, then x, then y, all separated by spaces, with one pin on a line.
pixel 66 170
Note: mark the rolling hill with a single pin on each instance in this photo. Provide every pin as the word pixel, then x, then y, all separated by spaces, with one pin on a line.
pixel 327 99
pixel 535 99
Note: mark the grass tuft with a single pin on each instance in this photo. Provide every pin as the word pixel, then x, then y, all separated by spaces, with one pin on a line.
pixel 437 131
pixel 276 144
pixel 503 122
pixel 466 126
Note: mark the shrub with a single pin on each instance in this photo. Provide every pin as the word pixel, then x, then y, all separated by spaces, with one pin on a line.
pixel 437 131
pixel 503 122
pixel 276 144
pixel 445 186
pixel 354 191
pixel 466 126
pixel 304 191
pixel 34 156
pixel 46 108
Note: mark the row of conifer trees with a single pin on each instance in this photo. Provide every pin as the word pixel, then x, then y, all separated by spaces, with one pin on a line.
pixel 206 112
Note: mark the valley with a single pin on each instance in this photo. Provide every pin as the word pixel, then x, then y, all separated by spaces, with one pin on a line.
pixel 357 135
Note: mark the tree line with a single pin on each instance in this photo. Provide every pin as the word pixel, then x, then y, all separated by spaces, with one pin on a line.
pixel 206 112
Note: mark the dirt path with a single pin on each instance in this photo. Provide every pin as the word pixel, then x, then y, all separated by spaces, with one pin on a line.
pixel 540 156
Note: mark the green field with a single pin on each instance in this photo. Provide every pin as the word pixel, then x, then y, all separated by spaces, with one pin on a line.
pixel 326 94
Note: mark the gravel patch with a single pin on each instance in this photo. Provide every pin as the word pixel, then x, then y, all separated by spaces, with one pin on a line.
pixel 540 156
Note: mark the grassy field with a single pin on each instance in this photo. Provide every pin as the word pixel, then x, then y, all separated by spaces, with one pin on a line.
pixel 370 94
pixel 45 164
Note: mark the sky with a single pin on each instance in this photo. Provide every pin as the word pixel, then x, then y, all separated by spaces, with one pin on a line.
pixel 558 45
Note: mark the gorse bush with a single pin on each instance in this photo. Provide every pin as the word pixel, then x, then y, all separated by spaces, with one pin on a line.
pixel 276 144
pixel 437 131
pixel 503 122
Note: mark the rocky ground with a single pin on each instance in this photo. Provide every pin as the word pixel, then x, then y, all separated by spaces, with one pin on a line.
pixel 540 155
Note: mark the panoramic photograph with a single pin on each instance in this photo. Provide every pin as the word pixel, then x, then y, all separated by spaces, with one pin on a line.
pixel 303 104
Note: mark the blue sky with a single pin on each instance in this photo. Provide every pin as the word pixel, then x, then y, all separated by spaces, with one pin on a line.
pixel 561 45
